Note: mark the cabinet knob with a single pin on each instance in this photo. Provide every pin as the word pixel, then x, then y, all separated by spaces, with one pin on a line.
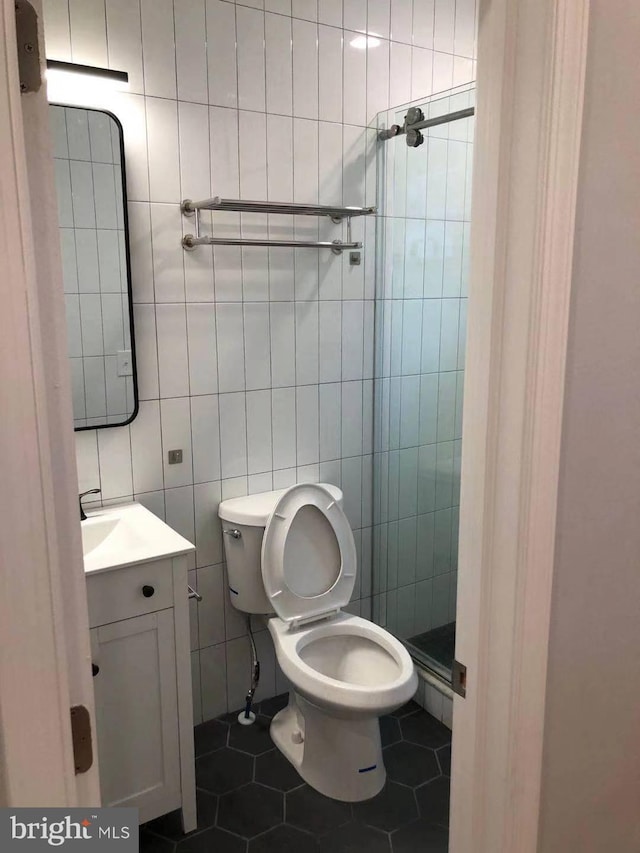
pixel 147 590
pixel 95 669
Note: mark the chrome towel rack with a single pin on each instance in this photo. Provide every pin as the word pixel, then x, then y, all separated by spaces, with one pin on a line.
pixel 335 213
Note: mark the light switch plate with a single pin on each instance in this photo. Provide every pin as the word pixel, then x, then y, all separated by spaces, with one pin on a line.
pixel 175 457
pixel 125 366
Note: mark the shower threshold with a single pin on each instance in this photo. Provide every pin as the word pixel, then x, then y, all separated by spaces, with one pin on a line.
pixel 435 650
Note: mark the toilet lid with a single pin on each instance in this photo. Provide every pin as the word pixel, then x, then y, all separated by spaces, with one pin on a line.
pixel 308 554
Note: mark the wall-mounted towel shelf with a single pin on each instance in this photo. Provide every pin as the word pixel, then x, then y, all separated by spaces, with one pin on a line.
pixel 336 214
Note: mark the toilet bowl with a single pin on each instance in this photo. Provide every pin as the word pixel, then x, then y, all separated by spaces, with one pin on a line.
pixel 346 671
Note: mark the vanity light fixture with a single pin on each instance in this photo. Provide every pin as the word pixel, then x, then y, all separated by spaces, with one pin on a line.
pixel 68 80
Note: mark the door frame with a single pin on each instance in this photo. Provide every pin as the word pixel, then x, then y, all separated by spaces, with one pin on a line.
pixel 530 87
pixel 44 629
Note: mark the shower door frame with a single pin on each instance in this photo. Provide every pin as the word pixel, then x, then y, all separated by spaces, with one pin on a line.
pixel 530 89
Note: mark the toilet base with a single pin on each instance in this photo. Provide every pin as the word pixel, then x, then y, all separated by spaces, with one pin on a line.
pixel 341 758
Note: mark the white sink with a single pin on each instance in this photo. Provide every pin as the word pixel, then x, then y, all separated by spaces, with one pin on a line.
pixel 124 535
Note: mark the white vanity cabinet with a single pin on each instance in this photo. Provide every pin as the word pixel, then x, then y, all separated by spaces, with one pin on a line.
pixel 139 622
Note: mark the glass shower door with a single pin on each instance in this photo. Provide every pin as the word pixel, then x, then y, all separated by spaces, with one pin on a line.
pixel 424 197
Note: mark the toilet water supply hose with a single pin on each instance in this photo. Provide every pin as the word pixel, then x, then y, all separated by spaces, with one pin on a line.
pixel 247 717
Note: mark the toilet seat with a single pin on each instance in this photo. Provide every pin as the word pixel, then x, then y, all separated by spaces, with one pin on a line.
pixel 308 555
pixel 387 691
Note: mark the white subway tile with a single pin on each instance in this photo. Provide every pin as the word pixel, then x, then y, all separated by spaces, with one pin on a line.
pixel 354 81
pixel 330 341
pixel 208 531
pixel 400 73
pixel 56 30
pixel 167 253
pixel 124 37
pixel 88 32
pixel 158 47
pixel 330 171
pixel 401 22
pixel 144 321
pixel 179 511
pixel 305 69
pixel 307 420
pixel 442 71
pixel 132 114
pixel 233 435
pixel 305 162
pixel 114 452
pixel 307 334
pixel 283 421
pixel 352 488
pixel 355 15
pixel 221 53
pixel 175 419
pixel 444 26
pixel 423 23
pixel 257 345
pixel 230 334
pixel 351 419
pixel 205 434
pixel 201 340
pixel 305 9
pixel 191 50
pixel 378 22
pixel 330 414
pixel 211 586
pixel 330 74
pixel 193 123
pixel 330 12
pixel 213 674
pixel 377 79
pixel 87 460
pixel 352 339
pixel 259 431
pixel 283 361
pixel 251 63
pixel 162 128
pixel 173 366
pixel 279 64
pixel 283 7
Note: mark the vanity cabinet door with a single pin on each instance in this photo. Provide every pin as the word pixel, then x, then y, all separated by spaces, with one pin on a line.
pixel 137 713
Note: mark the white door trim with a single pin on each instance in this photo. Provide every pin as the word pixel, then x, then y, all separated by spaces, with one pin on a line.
pixel 531 64
pixel 44 636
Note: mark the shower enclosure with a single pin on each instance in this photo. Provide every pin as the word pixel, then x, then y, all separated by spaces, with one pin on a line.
pixel 424 196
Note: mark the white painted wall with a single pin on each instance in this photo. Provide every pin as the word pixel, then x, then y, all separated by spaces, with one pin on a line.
pixel 591 771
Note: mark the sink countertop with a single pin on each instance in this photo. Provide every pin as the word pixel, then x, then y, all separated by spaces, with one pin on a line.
pixel 127 534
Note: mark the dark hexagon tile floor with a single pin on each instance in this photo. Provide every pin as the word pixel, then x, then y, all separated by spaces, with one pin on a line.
pixel 252 800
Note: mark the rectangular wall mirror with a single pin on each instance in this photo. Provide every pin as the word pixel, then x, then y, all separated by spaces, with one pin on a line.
pixel 92 212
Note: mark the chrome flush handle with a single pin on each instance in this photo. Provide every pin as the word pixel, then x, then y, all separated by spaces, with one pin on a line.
pixel 234 533
pixel 194 593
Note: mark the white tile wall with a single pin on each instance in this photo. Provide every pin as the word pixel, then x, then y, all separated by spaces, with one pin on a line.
pixel 259 365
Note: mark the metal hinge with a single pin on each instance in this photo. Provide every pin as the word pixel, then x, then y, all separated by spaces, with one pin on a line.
pixel 459 678
pixel 81 738
pixel 27 46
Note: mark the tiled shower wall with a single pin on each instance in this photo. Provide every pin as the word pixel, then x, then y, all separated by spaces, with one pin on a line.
pixel 257 363
pixel 421 324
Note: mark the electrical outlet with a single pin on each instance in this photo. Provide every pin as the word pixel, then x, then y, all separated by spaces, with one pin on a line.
pixel 175 457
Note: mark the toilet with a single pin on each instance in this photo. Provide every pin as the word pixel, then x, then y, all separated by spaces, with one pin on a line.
pixel 291 553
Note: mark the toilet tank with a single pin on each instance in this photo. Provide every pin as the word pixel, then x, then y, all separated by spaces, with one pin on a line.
pixel 243 522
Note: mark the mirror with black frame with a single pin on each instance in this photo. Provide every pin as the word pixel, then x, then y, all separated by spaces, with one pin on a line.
pixel 94 240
